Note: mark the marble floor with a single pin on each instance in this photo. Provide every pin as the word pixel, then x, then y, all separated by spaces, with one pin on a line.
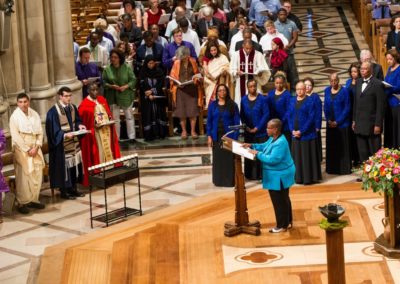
pixel 173 172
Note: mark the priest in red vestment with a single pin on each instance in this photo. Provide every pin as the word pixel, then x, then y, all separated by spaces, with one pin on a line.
pixel 101 145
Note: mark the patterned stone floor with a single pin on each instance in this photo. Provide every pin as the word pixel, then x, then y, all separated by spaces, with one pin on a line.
pixel 173 172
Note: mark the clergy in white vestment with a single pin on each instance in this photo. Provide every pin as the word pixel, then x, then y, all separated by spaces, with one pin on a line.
pixel 247 63
pixel 27 138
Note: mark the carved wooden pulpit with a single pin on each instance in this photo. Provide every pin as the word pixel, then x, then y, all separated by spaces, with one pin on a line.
pixel 241 223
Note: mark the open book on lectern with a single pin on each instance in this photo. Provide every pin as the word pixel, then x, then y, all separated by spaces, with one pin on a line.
pixel 237 148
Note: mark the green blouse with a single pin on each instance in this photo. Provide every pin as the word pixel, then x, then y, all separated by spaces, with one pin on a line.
pixel 119 76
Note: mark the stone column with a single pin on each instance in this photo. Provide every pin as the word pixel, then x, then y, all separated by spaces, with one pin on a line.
pixel 11 81
pixel 40 89
pixel 63 53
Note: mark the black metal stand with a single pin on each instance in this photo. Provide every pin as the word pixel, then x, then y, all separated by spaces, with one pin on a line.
pixel 108 178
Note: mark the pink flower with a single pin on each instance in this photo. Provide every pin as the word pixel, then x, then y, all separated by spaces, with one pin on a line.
pixel 396 171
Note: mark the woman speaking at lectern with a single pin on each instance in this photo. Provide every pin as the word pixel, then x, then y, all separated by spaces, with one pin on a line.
pixel 278 172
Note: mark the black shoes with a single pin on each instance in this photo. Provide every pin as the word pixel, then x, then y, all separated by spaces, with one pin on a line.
pixel 76 193
pixel 36 205
pixel 23 209
pixel 67 196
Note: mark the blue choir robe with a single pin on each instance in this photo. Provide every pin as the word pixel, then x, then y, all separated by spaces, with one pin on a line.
pixel 278 108
pixel 257 116
pixel 318 110
pixel 277 163
pixel 228 119
pixel 55 140
pixel 341 107
pixel 306 118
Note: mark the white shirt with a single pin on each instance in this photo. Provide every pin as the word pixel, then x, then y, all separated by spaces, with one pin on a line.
pixel 365 84
pixel 97 54
pixel 236 38
pixel 171 26
pixel 265 40
pixel 192 37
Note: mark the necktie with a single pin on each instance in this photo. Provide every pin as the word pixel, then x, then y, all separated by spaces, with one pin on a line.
pixel 365 81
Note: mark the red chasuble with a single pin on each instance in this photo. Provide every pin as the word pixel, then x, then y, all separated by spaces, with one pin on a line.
pixel 90 150
pixel 250 69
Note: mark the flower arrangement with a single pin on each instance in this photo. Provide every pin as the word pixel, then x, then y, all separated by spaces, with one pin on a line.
pixel 382 171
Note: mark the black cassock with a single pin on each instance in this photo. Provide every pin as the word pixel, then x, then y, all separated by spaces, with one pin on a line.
pixel 55 138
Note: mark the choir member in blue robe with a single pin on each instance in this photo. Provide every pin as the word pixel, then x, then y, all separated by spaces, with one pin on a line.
pixel 254 113
pixel 309 82
pixel 301 120
pixel 337 114
pixel 65 158
pixel 222 113
pixel 278 101
pixel 354 73
pixel 392 118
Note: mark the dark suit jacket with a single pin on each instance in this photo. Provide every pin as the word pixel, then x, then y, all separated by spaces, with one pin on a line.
pixel 369 106
pixel 201 28
pixel 377 71
pixel 390 42
pixel 256 46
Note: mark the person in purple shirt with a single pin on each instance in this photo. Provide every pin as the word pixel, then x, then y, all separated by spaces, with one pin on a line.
pixel 85 70
pixel 169 51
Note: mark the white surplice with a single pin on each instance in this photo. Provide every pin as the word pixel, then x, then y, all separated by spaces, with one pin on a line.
pixel 259 66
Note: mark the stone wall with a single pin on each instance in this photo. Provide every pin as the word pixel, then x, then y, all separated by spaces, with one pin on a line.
pixel 40 58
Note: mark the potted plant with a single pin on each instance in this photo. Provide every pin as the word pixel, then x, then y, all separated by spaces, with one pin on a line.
pixel 381 173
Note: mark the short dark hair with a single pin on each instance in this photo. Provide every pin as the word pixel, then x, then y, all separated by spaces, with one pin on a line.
pixel 126 17
pixel 147 34
pixel 95 32
pixel 282 10
pixel 120 55
pixel 394 54
pixel 83 50
pixel 23 95
pixel 183 23
pixel 126 2
pixel 250 81
pixel 309 79
pixel 355 65
pixel 99 31
pixel 63 90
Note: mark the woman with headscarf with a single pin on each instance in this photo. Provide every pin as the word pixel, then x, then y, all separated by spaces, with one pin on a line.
pixel 278 56
pixel 153 100
pixel 222 113
pixel 216 71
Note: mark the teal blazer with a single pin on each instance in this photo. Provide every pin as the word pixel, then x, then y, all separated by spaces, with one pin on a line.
pixel 277 163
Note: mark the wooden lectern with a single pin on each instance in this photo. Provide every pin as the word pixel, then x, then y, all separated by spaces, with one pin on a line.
pixel 241 224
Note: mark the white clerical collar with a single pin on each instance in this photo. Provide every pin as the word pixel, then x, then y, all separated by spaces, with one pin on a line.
pixel 92 100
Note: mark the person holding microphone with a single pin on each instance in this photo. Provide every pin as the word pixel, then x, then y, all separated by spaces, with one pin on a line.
pixel 278 172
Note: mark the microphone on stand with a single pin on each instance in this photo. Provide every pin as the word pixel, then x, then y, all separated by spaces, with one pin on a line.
pixel 241 128
pixel 237 127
